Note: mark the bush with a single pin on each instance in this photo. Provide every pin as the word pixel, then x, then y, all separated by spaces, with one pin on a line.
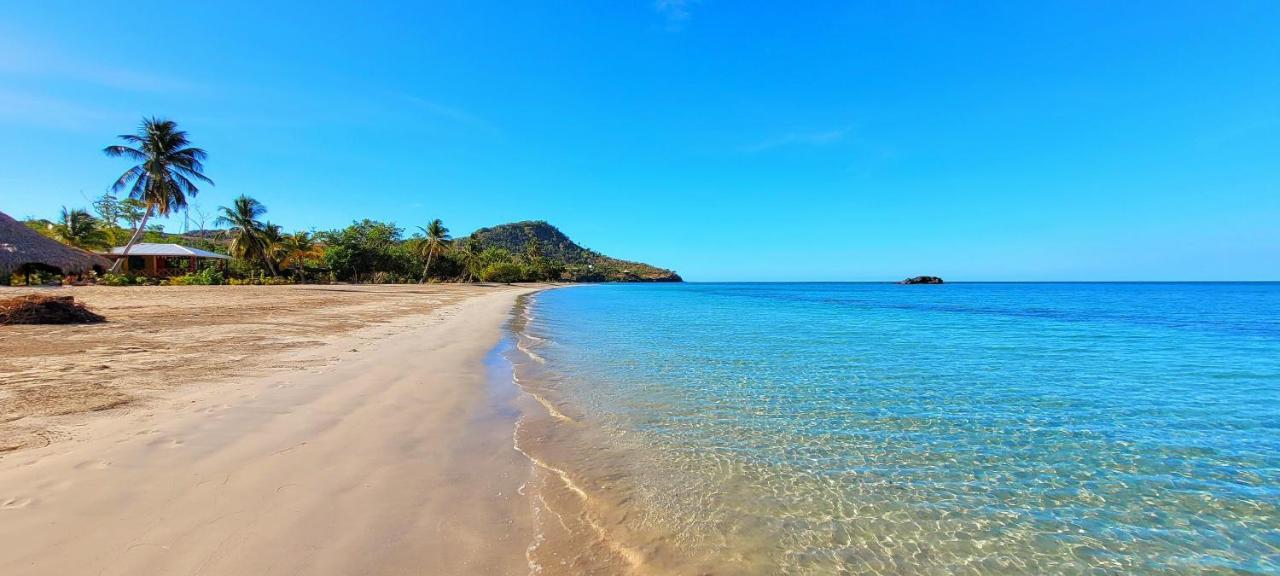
pixel 259 281
pixel 205 277
pixel 502 272
pixel 111 279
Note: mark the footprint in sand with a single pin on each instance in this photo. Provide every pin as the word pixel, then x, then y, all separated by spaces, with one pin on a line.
pixel 93 465
pixel 15 503
pixel 165 442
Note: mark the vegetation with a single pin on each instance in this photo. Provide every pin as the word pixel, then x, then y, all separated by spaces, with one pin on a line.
pixel 165 177
pixel 298 250
pixel 370 251
pixel 77 228
pixel 433 236
pixel 503 272
pixel 249 237
pixel 162 178
pixel 373 252
pixel 552 255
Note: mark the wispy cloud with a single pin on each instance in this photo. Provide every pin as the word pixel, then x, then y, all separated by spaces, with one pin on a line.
pixel 22 108
pixel 449 112
pixel 819 138
pixel 676 13
pixel 25 57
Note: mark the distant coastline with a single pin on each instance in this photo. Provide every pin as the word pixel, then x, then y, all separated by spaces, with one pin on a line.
pixel 116 242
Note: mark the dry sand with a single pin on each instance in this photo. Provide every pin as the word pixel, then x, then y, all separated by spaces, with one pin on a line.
pixel 262 430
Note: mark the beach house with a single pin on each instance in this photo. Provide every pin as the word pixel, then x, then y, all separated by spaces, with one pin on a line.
pixel 162 260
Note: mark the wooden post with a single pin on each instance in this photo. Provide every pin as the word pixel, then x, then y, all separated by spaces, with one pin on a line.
pixel 193 264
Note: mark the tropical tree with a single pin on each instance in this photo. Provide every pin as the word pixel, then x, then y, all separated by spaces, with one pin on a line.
pixel 273 245
pixel 132 210
pixel 248 234
pixel 108 209
pixel 433 236
pixel 166 172
pixel 469 255
pixel 77 228
pixel 297 249
pixel 365 247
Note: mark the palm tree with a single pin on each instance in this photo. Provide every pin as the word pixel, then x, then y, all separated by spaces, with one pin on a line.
pixel 77 228
pixel 163 177
pixel 434 235
pixel 469 255
pixel 247 232
pixel 297 248
pixel 273 245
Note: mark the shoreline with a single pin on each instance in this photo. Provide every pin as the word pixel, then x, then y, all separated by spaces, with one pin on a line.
pixel 584 517
pixel 394 457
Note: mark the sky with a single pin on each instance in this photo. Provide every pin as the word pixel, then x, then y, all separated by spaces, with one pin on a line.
pixel 751 141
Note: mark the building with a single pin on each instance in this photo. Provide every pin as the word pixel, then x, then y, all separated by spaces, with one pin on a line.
pixel 24 251
pixel 163 260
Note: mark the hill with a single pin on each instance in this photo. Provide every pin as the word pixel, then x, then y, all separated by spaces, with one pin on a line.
pixel 581 264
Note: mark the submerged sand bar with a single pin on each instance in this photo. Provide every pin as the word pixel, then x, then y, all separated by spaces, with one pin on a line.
pixel 320 444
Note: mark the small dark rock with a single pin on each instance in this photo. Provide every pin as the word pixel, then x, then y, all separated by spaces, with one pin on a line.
pixel 922 280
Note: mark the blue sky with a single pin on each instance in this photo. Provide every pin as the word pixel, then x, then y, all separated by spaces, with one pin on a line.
pixel 728 140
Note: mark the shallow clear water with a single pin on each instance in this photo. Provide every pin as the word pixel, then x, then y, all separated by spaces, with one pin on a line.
pixel 877 428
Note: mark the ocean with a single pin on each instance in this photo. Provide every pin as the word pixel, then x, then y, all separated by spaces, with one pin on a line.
pixel 1074 428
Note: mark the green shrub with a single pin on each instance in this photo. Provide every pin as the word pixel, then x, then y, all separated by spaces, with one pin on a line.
pixel 503 272
pixel 261 280
pixel 205 277
pixel 111 279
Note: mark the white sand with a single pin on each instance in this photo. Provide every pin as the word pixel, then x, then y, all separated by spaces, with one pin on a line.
pixel 393 459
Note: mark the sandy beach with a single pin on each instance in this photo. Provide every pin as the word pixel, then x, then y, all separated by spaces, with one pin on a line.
pixel 262 430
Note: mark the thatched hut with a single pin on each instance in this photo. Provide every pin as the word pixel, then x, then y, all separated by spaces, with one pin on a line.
pixel 23 250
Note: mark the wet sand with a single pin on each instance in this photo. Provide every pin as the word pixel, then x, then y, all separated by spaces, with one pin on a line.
pixel 257 430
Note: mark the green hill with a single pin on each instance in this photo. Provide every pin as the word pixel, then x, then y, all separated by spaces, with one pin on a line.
pixel 581 264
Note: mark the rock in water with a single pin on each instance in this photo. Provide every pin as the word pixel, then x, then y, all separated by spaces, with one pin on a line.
pixel 922 280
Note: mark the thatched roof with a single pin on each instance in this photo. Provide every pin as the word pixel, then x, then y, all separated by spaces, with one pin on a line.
pixel 21 245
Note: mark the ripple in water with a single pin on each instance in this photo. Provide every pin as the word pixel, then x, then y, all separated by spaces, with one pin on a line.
pixel 883 429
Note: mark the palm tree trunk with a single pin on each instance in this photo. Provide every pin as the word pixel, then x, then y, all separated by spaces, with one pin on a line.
pixel 142 225
pixel 264 252
pixel 431 252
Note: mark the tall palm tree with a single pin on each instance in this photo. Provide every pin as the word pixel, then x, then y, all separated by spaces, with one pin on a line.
pixel 165 174
pixel 434 235
pixel 77 228
pixel 297 249
pixel 273 245
pixel 246 231
pixel 470 256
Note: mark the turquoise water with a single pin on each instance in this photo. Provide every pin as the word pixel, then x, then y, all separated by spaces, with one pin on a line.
pixel 877 428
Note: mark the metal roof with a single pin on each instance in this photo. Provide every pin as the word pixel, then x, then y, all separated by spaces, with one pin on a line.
pixel 148 249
